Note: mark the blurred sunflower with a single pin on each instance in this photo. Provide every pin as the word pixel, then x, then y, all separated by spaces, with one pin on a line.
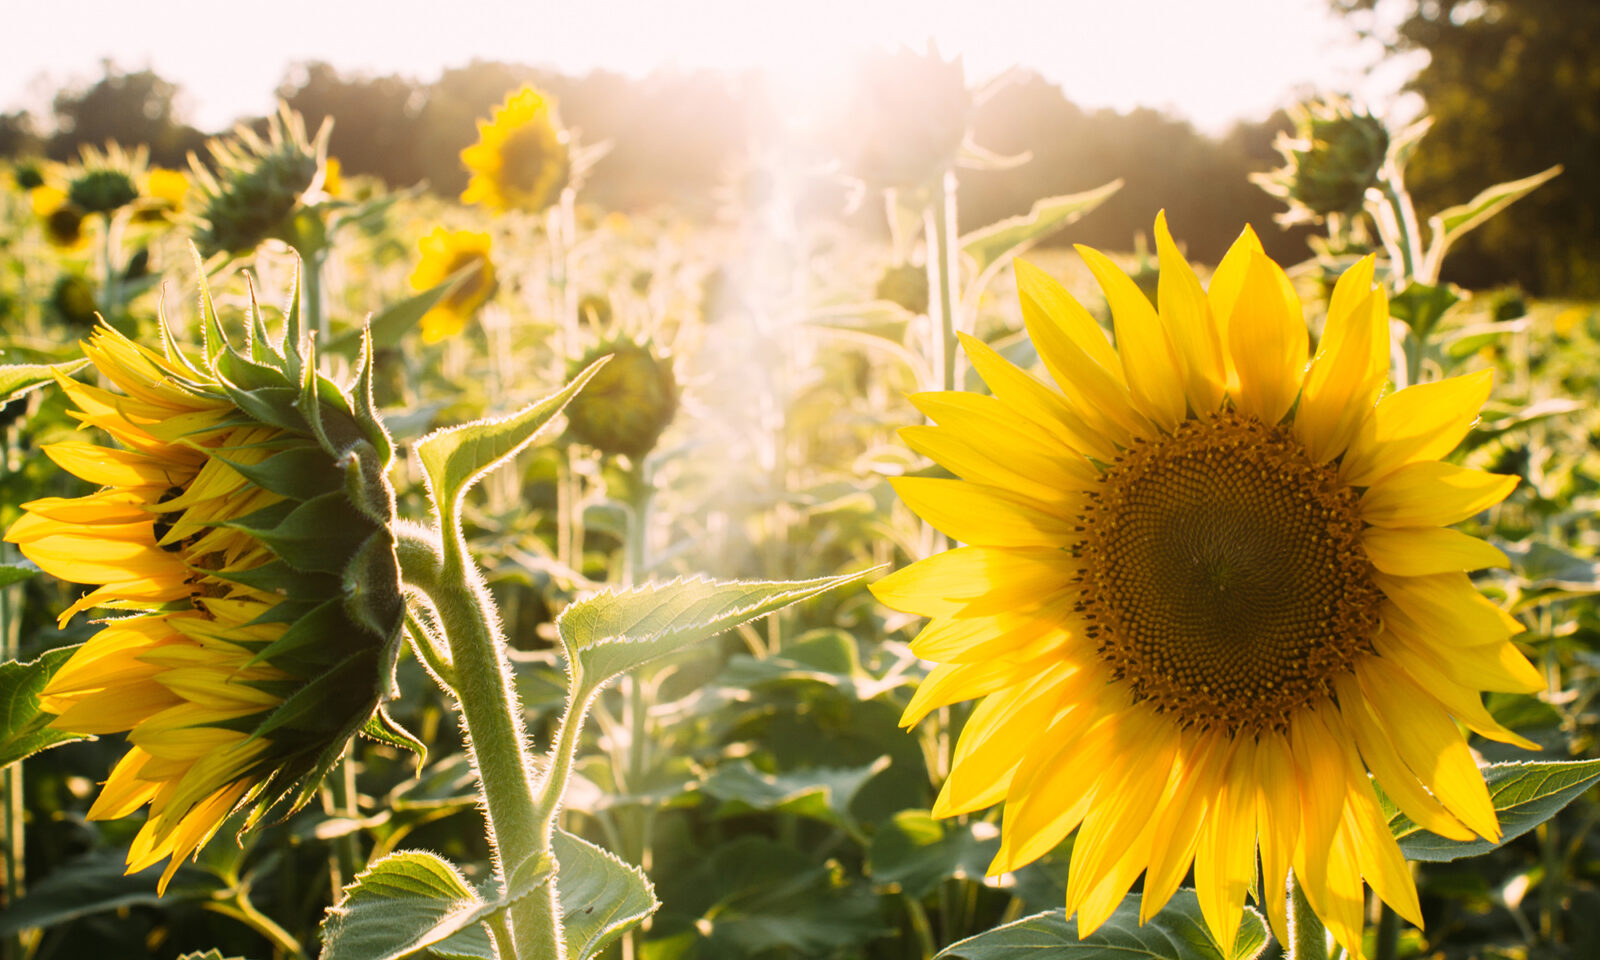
pixel 1210 587
pixel 63 221
pixel 251 528
pixel 443 253
pixel 522 158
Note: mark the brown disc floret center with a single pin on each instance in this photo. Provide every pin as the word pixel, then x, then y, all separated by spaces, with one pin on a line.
pixel 1225 580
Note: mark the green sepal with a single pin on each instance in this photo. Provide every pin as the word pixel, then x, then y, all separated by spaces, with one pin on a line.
pixel 311 702
pixel 273 406
pixel 315 537
pixel 366 410
pixel 262 349
pixel 327 412
pixel 246 374
pixel 372 598
pixel 383 728
pixel 296 347
pixel 315 628
pixel 299 473
pixel 279 579
pixel 365 483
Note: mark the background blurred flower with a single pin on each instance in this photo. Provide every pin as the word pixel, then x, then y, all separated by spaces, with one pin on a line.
pixel 443 253
pixel 521 160
pixel 627 404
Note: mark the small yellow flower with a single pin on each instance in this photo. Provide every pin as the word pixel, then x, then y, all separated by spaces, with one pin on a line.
pixel 168 186
pixel 264 594
pixel 443 253
pixel 332 177
pixel 521 160
pixel 1210 584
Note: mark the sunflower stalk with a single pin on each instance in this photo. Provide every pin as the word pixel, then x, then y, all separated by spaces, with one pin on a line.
pixel 518 831
pixel 1308 938
pixel 944 276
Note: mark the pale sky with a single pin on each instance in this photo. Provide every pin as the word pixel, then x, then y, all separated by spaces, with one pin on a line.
pixel 1211 61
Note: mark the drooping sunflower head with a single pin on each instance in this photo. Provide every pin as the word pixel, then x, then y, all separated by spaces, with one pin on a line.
pixel 241 527
pixel 628 403
pixel 444 252
pixel 522 160
pixel 255 185
pixel 72 300
pixel 915 111
pixel 106 180
pixel 1210 593
pixel 1332 158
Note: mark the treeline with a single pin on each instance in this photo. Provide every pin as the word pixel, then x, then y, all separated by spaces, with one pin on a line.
pixel 681 138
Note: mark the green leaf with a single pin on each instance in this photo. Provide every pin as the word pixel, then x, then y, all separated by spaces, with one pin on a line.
pixel 612 632
pixel 916 852
pixel 601 897
pixel 1524 794
pixel 1178 932
pixel 16 379
pixel 822 793
pixel 454 458
pixel 212 954
pixel 992 246
pixel 1421 306
pixel 392 324
pixel 95 883
pixel 404 902
pixel 16 572
pixel 1452 224
pixel 25 732
pixel 383 728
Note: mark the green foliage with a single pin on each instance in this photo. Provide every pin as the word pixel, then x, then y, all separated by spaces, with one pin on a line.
pixel 96 883
pixel 1524 794
pixel 1178 932
pixel 24 729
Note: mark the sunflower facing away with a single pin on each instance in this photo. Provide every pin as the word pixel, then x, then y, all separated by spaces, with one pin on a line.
pixel 1208 587
pixel 521 160
pixel 246 544
pixel 443 253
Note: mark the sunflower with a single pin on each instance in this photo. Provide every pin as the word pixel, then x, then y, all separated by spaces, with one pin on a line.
pixel 1210 595
pixel 443 253
pixel 521 160
pixel 63 221
pixel 243 532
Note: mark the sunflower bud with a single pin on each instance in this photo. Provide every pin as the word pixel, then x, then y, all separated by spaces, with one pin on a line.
pixel 73 300
pixel 443 253
pixel 1333 157
pixel 916 108
pixel 906 285
pixel 627 403
pixel 27 175
pixel 245 520
pixel 258 184
pixel 522 160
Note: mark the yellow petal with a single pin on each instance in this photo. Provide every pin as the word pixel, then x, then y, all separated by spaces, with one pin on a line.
pixel 1153 369
pixel 1446 604
pixel 999 464
pixel 1277 825
pixel 969 639
pixel 1186 312
pixel 951 682
pixel 1432 494
pixel 105 467
pixel 1225 858
pixel 1420 551
pixel 1034 400
pixel 1396 779
pixel 1223 291
pixel 950 582
pixel 998 734
pixel 1429 744
pixel 983 516
pixel 1177 823
pixel 1137 784
pixel 1268 341
pixel 1421 422
pixel 1044 298
pixel 1342 382
pixel 1320 773
pixel 1496 665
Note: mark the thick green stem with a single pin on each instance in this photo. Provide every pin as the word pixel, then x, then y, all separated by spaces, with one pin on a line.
pixel 939 230
pixel 1308 938
pixel 496 738
pixel 1388 938
pixel 316 314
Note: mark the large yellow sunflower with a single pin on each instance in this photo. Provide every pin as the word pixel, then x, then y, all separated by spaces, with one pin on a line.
pixel 443 253
pixel 264 596
pixel 521 160
pixel 1209 587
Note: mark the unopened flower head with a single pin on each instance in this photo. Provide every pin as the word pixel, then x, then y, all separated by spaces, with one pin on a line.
pixel 915 109
pixel 627 404
pixel 1209 585
pixel 1333 157
pixel 444 252
pixel 106 180
pixel 241 530
pixel 72 299
pixel 257 184
pixel 522 160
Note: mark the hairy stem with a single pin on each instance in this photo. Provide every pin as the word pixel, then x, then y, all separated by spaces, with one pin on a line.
pixel 1308 939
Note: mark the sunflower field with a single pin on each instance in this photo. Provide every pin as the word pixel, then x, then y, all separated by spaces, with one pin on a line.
pixel 391 573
